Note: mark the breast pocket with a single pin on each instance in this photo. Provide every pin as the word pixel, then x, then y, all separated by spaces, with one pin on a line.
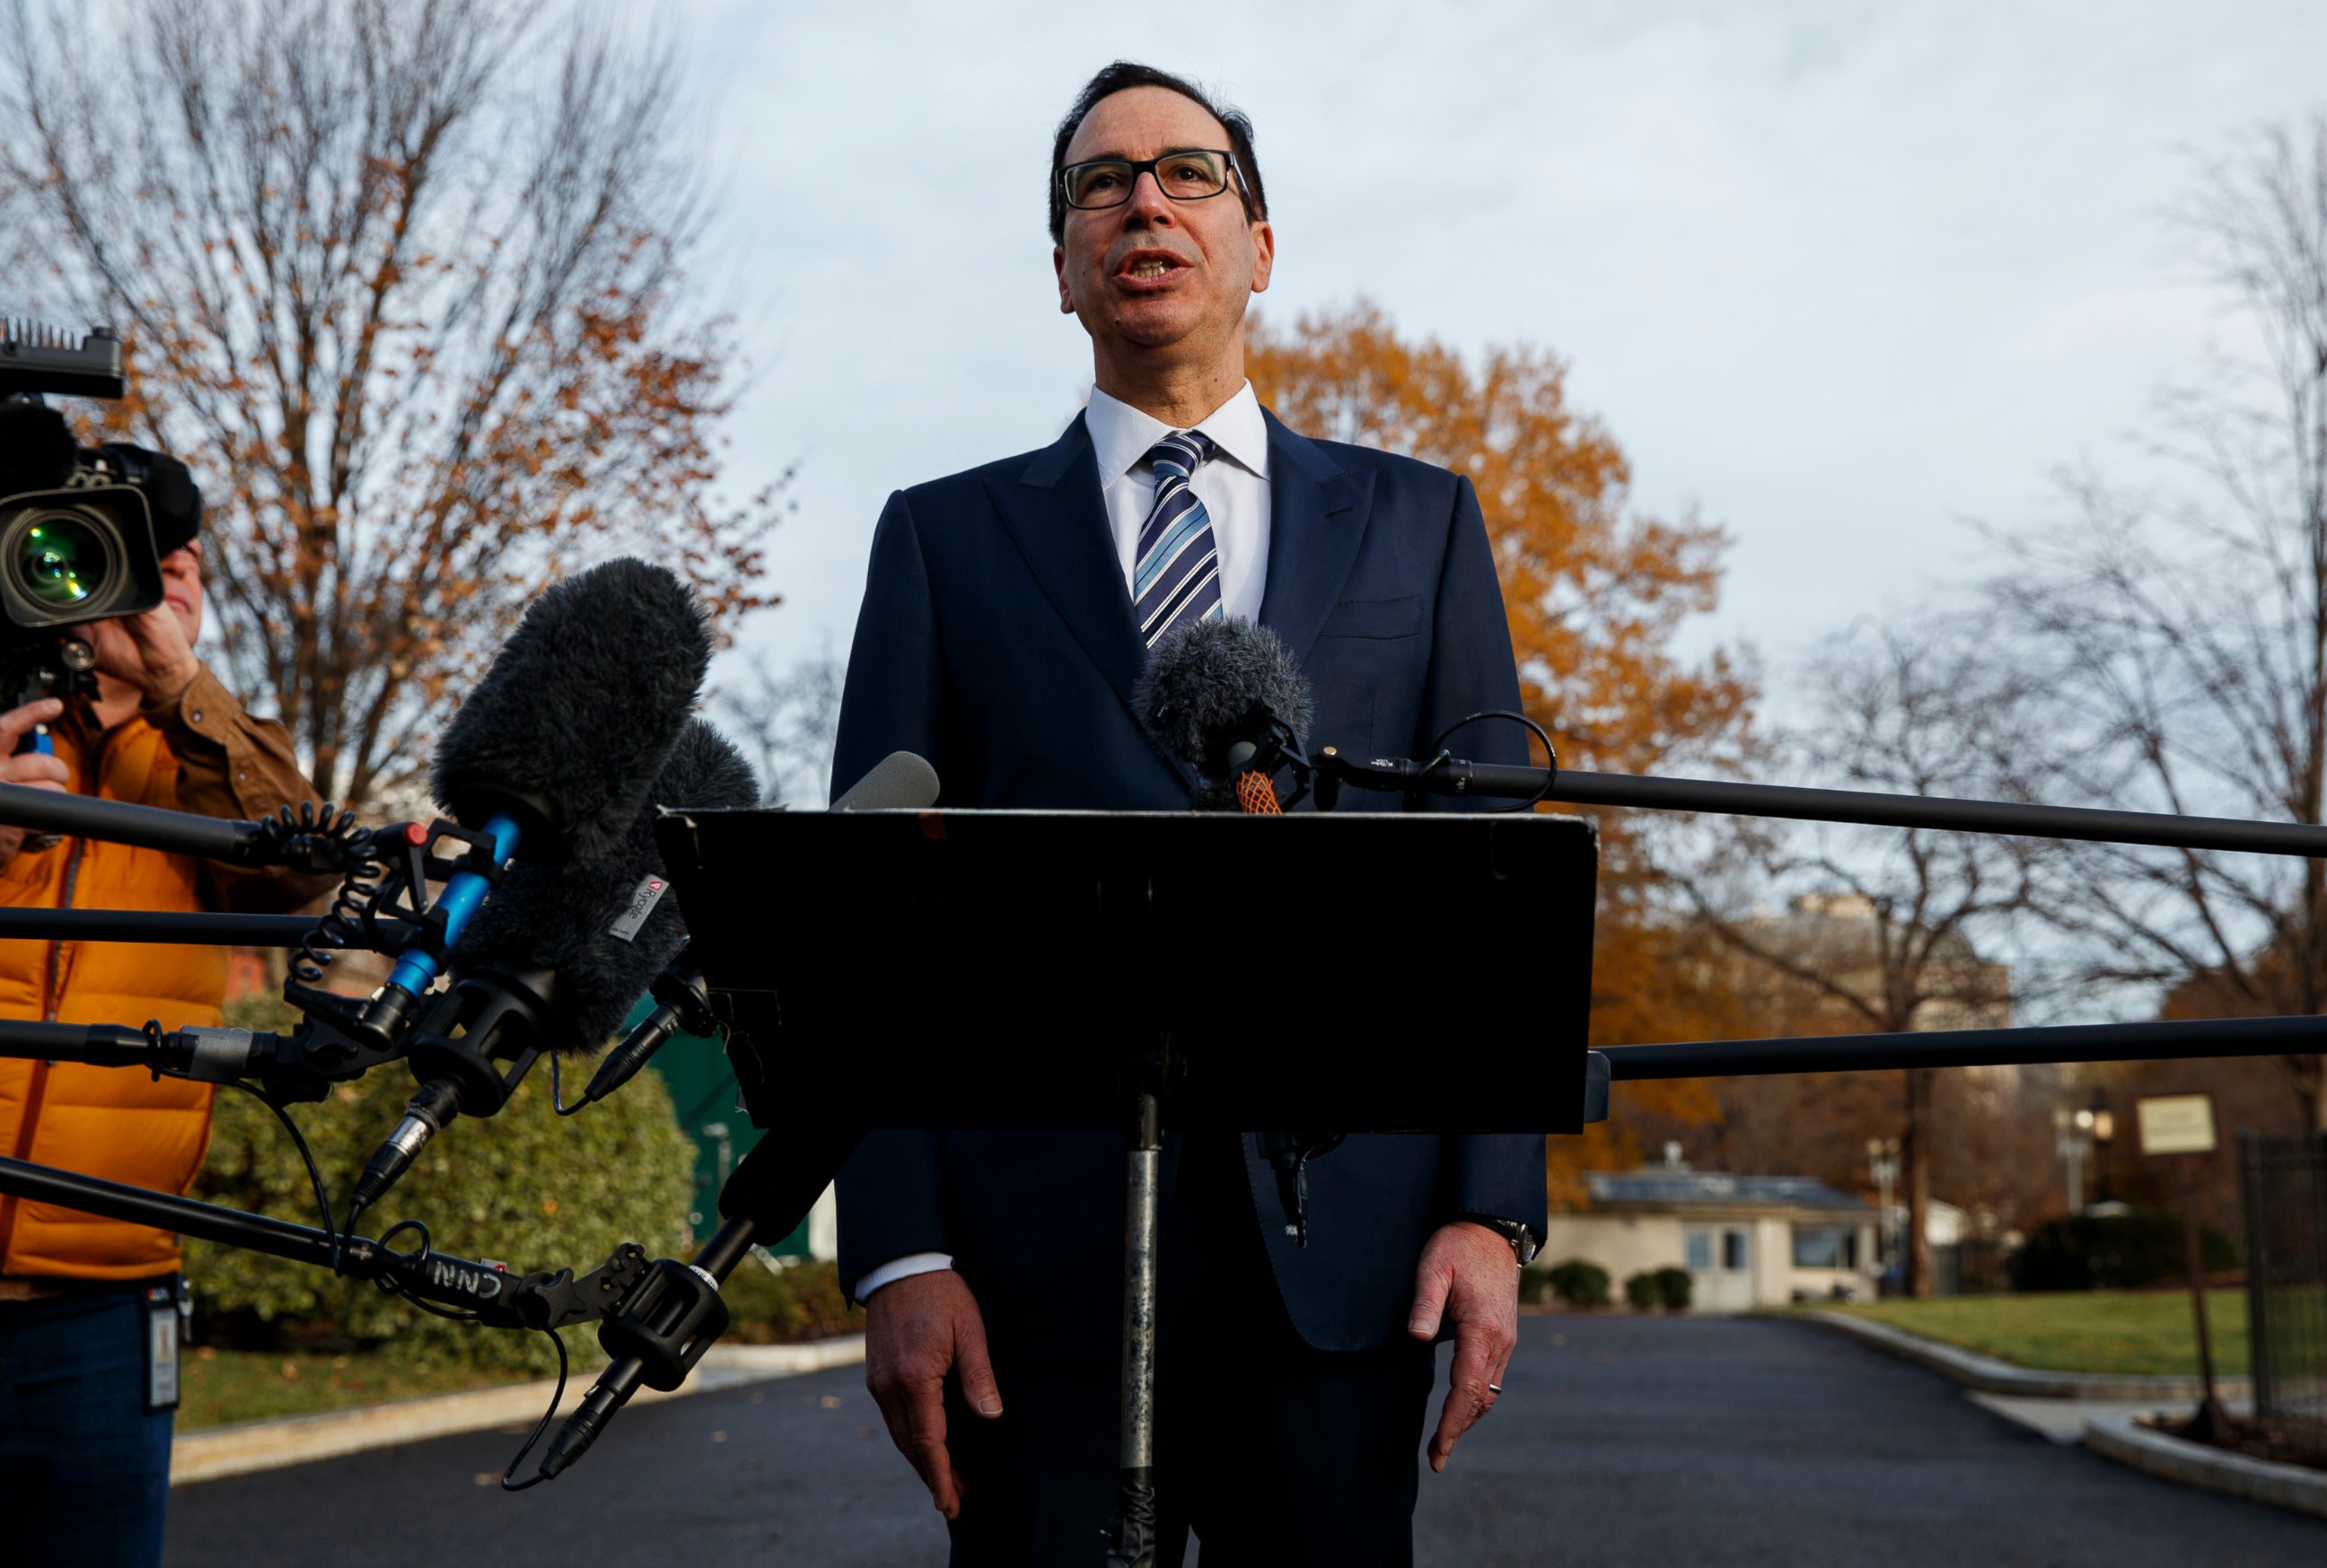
pixel 1377 619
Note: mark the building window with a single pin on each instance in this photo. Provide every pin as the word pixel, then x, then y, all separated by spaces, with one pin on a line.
pixel 1733 1251
pixel 1699 1245
pixel 1826 1247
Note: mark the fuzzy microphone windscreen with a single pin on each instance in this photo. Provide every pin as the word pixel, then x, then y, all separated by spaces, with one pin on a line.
pixel 572 724
pixel 1205 684
pixel 584 918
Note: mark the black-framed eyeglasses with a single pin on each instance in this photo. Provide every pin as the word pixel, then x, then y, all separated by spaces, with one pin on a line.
pixel 1188 174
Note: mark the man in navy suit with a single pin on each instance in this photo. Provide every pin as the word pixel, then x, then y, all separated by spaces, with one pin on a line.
pixel 1007 613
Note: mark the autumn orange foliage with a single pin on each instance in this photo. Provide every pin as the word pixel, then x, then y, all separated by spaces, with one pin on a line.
pixel 1595 595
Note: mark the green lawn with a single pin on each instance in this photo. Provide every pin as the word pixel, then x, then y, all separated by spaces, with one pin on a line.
pixel 220 1387
pixel 2139 1333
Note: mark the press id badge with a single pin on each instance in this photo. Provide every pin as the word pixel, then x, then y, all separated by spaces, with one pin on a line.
pixel 166 1305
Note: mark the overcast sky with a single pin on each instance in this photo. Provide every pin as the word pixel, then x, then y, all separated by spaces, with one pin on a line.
pixel 1839 275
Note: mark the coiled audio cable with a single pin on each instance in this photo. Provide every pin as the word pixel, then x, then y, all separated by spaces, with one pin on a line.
pixel 360 887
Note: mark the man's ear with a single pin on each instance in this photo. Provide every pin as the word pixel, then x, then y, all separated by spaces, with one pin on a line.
pixel 1263 254
pixel 1059 265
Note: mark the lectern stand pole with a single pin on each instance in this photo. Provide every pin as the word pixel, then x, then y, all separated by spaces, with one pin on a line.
pixel 1131 1538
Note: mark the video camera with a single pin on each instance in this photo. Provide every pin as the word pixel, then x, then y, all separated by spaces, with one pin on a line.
pixel 82 529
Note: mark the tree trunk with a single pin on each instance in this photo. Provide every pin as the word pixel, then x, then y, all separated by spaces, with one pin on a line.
pixel 1915 1157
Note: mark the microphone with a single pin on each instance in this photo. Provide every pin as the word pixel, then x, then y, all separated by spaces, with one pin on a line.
pixel 532 757
pixel 901 782
pixel 553 752
pixel 768 1193
pixel 570 726
pixel 1228 698
pixel 554 961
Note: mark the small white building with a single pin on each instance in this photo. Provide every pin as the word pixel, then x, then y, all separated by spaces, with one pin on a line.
pixel 1747 1241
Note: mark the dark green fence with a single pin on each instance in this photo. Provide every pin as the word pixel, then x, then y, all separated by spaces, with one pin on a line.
pixel 2284 1182
pixel 703 1094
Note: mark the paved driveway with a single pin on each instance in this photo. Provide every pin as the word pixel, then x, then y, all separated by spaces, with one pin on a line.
pixel 1619 1441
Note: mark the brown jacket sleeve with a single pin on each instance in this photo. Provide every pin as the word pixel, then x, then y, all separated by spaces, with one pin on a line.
pixel 232 765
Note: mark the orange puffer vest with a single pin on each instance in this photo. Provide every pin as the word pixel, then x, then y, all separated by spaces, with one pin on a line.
pixel 116 1123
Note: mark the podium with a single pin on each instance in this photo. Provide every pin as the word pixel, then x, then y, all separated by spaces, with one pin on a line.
pixel 1129 971
pixel 992 969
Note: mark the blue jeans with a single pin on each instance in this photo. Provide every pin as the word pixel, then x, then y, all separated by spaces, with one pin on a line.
pixel 84 1470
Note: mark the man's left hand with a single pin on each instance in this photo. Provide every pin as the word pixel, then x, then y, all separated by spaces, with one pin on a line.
pixel 1467 1276
pixel 150 652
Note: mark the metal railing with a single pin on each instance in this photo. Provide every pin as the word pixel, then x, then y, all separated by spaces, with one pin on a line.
pixel 2284 1183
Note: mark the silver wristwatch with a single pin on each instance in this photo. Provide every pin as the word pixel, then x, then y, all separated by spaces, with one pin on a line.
pixel 1522 1239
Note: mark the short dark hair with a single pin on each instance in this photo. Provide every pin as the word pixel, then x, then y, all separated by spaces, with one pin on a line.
pixel 1129 73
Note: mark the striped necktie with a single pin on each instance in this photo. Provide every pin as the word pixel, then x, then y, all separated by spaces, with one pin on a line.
pixel 1177 580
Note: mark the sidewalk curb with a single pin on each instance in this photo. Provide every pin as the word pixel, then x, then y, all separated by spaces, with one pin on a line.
pixel 1989 1376
pixel 2126 1440
pixel 260 1445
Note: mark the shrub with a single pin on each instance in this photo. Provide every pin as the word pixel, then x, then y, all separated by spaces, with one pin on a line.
pixel 1672 1288
pixel 540 1191
pixel 1576 1282
pixel 786 1304
pixel 2085 1252
pixel 1640 1292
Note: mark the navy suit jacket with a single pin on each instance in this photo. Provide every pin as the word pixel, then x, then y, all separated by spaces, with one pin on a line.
pixel 997 641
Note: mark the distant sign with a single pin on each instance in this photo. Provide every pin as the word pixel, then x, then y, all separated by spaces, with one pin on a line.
pixel 2176 1124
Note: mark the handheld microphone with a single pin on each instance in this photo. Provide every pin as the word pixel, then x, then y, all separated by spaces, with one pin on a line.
pixel 1228 698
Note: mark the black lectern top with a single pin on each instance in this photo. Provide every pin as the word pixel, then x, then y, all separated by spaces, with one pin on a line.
pixel 1350 972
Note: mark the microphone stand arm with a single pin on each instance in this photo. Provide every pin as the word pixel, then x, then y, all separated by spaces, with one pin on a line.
pixel 1453 776
pixel 288 1069
pixel 284 841
pixel 544 1299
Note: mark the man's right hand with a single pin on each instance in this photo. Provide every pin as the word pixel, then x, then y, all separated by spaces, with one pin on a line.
pixel 36 768
pixel 916 1330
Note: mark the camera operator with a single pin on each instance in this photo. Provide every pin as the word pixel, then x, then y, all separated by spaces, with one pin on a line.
pixel 87 1306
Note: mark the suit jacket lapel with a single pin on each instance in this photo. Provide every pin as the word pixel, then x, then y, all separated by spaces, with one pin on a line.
pixel 1317 514
pixel 1058 518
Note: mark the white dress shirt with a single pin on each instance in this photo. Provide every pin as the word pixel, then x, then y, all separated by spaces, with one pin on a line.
pixel 1233 485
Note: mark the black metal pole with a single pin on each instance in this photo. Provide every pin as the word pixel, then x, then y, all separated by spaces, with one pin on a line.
pixel 118 822
pixel 160 926
pixel 1865 808
pixel 2162 829
pixel 1131 1535
pixel 2211 1423
pixel 95 1044
pixel 2209 1037
pixel 451 1281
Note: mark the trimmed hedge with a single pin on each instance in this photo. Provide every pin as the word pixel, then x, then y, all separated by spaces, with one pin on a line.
pixel 1650 1289
pixel 1577 1282
pixel 787 1304
pixel 2113 1252
pixel 525 1185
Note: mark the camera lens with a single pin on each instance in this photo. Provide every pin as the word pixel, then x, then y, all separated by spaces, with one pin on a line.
pixel 62 562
